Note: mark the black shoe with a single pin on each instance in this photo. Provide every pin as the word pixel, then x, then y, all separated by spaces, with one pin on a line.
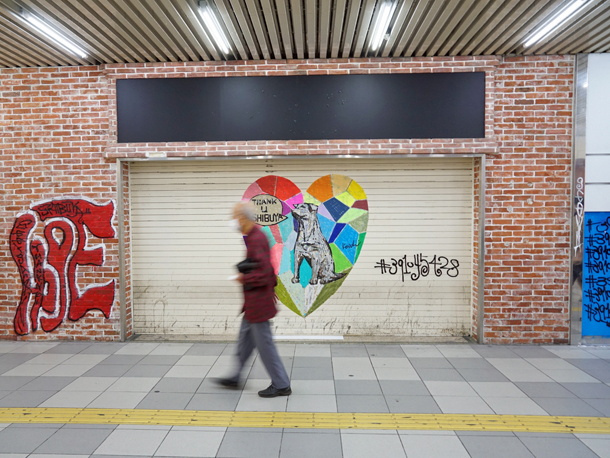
pixel 272 392
pixel 227 383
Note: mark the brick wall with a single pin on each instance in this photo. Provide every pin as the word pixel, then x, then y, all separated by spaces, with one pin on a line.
pixel 59 138
pixel 54 128
pixel 528 202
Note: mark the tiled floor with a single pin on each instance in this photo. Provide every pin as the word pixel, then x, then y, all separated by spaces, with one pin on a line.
pixel 470 379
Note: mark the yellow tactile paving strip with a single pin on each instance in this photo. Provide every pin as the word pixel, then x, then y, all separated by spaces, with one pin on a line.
pixel 303 420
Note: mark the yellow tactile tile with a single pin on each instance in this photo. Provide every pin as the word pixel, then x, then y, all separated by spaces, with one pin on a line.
pixel 432 422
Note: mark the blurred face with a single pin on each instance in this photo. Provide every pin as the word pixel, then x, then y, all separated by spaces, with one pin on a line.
pixel 238 217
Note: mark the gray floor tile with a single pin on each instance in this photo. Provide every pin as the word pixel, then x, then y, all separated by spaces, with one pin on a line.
pixel 438 446
pixel 23 440
pixel 165 401
pixel 4 368
pixel 403 388
pixel 544 390
pixel 311 403
pixel 103 348
pixel 23 398
pixel 494 446
pixel 312 373
pixel 146 370
pixel 117 400
pixel 311 445
pixel 599 446
pixel 463 405
pixel 470 363
pixel 132 442
pixel 190 444
pixel 557 447
pixel 69 348
pixel 430 363
pixel 369 387
pixel 348 350
pixel 231 350
pixel 493 351
pixel 73 441
pixel 177 385
pixel 120 456
pixel 123 359
pixel 14 383
pixel 514 406
pixel 313 387
pixel 48 383
pixel 167 360
pixel 107 370
pixel 601 405
pixel 372 445
pixel 206 349
pixel 566 406
pixel 361 403
pixel 385 351
pixel 441 375
pixel 18 358
pixel 246 444
pixel 528 351
pixel 412 404
pixel 216 401
pixel 482 375
pixel 208 385
pixel 311 361
pixel 486 433
pixel 589 390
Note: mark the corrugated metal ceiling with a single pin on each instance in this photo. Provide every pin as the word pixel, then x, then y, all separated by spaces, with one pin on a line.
pixel 173 30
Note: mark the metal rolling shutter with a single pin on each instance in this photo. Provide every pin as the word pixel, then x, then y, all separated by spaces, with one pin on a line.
pixel 183 251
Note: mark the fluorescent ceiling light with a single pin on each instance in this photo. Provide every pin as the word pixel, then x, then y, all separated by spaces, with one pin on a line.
pixel 555 22
pixel 214 27
pixel 386 10
pixel 56 37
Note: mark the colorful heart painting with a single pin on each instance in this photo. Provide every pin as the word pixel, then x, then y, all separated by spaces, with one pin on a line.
pixel 315 237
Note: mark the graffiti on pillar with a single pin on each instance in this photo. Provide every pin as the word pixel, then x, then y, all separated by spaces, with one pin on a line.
pixel 315 237
pixel 48 265
pixel 596 275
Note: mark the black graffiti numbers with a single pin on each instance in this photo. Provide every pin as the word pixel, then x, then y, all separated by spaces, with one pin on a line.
pixel 419 267
pixel 596 303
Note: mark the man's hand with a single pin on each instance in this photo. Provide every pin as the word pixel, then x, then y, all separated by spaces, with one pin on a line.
pixel 240 278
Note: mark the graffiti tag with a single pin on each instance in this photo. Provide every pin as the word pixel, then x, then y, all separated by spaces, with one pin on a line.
pixel 48 266
pixel 421 266
pixel 580 212
pixel 596 290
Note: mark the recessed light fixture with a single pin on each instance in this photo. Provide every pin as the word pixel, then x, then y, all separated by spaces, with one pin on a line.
pixel 386 9
pixel 212 24
pixel 55 36
pixel 556 22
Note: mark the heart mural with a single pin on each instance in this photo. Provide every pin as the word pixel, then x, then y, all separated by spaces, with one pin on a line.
pixel 315 237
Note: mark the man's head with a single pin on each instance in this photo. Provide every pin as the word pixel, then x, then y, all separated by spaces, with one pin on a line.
pixel 245 214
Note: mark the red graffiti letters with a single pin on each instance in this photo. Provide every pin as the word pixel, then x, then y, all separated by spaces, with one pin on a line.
pixel 48 270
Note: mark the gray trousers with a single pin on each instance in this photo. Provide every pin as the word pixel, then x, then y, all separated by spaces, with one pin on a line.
pixel 258 335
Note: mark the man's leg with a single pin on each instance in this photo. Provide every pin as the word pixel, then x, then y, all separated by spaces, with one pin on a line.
pixel 245 347
pixel 261 333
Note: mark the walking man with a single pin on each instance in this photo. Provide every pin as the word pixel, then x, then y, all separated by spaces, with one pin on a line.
pixel 259 306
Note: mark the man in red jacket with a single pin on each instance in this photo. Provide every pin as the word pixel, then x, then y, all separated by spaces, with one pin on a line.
pixel 259 306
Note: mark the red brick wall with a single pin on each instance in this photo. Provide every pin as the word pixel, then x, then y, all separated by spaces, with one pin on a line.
pixel 54 128
pixel 528 202
pixel 59 138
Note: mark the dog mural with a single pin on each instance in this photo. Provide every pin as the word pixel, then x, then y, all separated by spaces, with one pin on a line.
pixel 315 236
pixel 312 246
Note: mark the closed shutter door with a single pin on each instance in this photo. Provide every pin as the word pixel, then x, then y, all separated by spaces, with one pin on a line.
pixel 412 276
